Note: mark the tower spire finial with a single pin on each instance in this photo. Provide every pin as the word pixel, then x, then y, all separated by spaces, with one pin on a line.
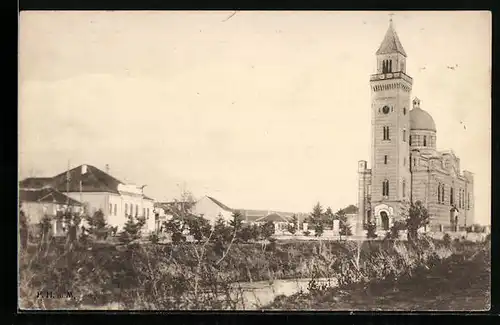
pixel 390 18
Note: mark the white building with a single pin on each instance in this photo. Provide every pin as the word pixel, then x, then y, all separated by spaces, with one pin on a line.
pixel 97 190
pixel 212 209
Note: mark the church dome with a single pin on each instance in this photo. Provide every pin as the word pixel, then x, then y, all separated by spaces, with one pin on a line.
pixel 420 119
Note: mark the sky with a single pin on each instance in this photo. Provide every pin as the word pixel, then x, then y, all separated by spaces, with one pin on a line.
pixel 264 110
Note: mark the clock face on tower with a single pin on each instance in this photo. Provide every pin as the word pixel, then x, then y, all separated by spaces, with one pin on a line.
pixel 385 109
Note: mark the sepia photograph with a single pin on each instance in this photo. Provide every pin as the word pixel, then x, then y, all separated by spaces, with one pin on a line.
pixel 254 160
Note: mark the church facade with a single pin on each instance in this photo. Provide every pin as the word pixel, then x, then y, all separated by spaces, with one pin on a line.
pixel 405 165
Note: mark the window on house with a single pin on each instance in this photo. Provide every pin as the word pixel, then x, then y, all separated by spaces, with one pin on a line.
pixel 136 210
pixel 442 193
pixel 439 193
pixel 385 188
pixel 425 141
pixel 147 211
pixel 390 65
pixel 404 161
pixel 115 210
pixel 452 201
pixel 386 133
pixel 385 160
pixel 126 209
pixel 143 212
pixel 110 208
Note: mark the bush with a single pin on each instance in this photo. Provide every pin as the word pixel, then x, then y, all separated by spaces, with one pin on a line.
pixel 307 233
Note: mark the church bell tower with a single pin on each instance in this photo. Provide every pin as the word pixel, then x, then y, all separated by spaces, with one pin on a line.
pixel 390 106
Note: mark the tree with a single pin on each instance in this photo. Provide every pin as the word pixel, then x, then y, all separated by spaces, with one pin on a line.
pixel 316 218
pixel 222 233
pixel 175 227
pixel 236 221
pixel 329 216
pixel 255 231
pixel 292 228
pixel 245 234
pixel 345 227
pixel 23 229
pixel 131 230
pixel 199 228
pixel 45 226
pixel 267 229
pixel 397 226
pixel 371 228
pixel 97 225
pixel 418 217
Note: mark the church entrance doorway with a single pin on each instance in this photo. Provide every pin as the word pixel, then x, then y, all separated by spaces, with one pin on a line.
pixel 384 218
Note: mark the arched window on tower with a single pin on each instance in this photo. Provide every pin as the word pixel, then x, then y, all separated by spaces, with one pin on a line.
pixel 410 140
pixel 425 141
pixel 385 188
pixel 452 201
pixel 439 193
pixel 442 193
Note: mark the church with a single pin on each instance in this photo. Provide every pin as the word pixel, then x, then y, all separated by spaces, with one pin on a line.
pixel 405 164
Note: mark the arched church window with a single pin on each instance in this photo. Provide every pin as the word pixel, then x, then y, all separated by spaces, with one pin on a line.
pixel 425 141
pixel 439 193
pixel 404 110
pixel 404 188
pixel 404 135
pixel 385 188
pixel 410 139
pixel 385 160
pixel 451 196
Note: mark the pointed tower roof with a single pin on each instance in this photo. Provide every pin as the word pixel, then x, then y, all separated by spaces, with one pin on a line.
pixel 391 43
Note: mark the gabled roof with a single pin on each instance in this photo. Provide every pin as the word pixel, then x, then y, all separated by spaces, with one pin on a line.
pixel 391 43
pixel 46 195
pixel 93 180
pixel 220 204
pixel 35 182
pixel 273 217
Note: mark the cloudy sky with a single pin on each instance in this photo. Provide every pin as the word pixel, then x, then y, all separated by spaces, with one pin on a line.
pixel 265 110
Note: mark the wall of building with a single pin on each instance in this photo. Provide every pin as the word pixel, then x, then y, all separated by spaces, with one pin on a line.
pixel 113 206
pixel 210 211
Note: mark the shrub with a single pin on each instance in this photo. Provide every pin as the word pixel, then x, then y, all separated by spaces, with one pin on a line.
pixel 307 233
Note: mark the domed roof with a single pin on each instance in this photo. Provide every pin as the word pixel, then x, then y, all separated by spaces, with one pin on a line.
pixel 420 119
